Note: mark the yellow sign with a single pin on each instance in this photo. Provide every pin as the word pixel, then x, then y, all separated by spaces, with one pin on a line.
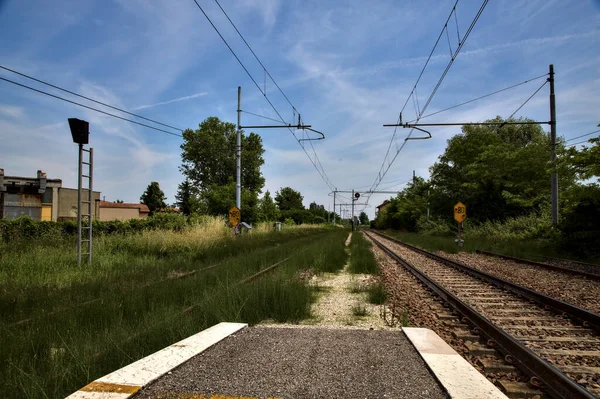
pixel 460 212
pixel 235 216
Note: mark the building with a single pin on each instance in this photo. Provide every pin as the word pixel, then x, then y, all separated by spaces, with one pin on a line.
pixel 122 211
pixel 382 206
pixel 40 198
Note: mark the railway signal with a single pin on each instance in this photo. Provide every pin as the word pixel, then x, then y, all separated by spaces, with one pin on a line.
pixel 356 196
pixel 460 214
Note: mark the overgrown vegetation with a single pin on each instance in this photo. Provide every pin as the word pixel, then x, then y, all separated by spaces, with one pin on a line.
pixel 64 325
pixel 502 173
pixel 361 258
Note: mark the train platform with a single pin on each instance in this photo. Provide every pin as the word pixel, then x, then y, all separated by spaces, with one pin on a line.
pixel 231 360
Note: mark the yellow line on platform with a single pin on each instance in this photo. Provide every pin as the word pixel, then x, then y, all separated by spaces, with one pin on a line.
pixel 110 387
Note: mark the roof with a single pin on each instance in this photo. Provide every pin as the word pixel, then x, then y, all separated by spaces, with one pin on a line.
pixel 384 203
pixel 142 207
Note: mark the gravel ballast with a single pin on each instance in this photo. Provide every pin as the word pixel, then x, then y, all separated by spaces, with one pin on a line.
pixel 303 363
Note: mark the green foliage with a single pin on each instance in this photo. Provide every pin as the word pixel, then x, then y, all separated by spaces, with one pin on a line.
pixel 208 156
pixel 289 222
pixel 208 162
pixel 267 208
pixel 377 294
pixel 89 321
pixel 288 199
pixel 361 256
pixel 153 197
pixel 187 198
pixel 585 162
pixel 363 218
pixel 218 200
pixel 359 310
pixel 25 229
pixel 435 226
pixel 497 171
pixel 580 222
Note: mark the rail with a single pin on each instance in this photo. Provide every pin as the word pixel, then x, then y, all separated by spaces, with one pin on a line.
pixel 557 383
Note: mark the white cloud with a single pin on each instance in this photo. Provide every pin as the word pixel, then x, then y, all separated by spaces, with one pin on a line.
pixel 175 100
pixel 11 111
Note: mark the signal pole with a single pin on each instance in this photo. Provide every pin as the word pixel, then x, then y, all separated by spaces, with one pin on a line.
pixel 353 199
pixel 554 178
pixel 238 153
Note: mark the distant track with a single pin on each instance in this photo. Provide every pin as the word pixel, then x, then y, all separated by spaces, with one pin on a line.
pixel 528 327
pixel 589 273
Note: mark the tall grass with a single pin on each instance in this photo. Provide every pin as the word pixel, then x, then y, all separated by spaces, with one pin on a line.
pixel 141 293
pixel 361 258
pixel 522 248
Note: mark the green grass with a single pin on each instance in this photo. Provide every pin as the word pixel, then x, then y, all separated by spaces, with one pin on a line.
pixel 377 294
pixel 361 258
pixel 359 310
pixel 527 249
pixel 90 320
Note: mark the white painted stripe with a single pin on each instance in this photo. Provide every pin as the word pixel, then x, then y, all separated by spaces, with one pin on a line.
pixel 457 376
pixel 146 370
pixel 98 395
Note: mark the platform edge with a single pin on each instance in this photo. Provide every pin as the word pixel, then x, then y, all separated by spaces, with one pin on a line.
pixel 457 376
pixel 125 382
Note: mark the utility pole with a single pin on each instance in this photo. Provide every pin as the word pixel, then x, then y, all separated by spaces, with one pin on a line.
pixel 238 153
pixel 334 193
pixel 414 177
pixel 353 199
pixel 554 177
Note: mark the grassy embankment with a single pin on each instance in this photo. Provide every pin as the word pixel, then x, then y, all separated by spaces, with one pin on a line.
pixel 362 261
pixel 64 325
pixel 521 248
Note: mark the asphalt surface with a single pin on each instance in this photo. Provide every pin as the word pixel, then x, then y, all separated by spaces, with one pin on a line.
pixel 288 363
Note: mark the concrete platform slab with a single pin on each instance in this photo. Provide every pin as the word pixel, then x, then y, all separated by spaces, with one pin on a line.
pixel 126 381
pixel 457 376
pixel 286 363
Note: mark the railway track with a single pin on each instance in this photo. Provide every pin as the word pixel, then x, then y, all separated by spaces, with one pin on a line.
pixel 587 270
pixel 554 343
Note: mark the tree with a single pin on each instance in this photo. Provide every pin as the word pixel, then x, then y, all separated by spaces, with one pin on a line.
pixel 119 201
pixel 208 161
pixel 267 208
pixel 363 218
pixel 497 171
pixel 287 199
pixel 208 156
pixel 153 197
pixel 187 198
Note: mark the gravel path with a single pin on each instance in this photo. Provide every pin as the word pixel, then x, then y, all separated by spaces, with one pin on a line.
pixel 567 287
pixel 336 304
pixel 294 363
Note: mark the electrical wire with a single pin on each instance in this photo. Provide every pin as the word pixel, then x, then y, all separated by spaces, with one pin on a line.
pixel 255 56
pixel 481 97
pixel 581 142
pixel 89 99
pixel 90 108
pixel 461 43
pixel 264 117
pixel 583 135
pixel 325 178
pixel 526 101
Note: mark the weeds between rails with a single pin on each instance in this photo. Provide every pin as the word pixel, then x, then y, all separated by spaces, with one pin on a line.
pixel 53 356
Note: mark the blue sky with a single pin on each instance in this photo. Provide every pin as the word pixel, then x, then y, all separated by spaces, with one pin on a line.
pixel 347 66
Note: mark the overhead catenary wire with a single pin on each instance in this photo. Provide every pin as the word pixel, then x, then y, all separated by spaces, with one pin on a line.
pixel 89 99
pixel 90 108
pixel 583 141
pixel 583 135
pixel 314 162
pixel 384 169
pixel 481 97
pixel 526 101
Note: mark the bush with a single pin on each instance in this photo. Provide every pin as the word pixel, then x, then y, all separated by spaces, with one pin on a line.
pixel 434 227
pixel 25 228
